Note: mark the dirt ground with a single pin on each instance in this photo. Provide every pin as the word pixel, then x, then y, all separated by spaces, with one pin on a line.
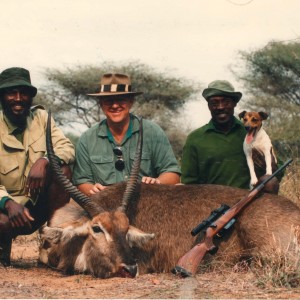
pixel 26 279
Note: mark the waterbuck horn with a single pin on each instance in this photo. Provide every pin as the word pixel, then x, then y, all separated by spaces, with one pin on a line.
pixel 85 202
pixel 135 170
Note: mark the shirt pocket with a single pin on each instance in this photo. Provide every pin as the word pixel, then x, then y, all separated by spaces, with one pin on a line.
pixel 103 169
pixel 146 167
pixel 38 149
pixel 10 172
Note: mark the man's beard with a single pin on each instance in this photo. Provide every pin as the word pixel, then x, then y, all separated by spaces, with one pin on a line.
pixel 17 120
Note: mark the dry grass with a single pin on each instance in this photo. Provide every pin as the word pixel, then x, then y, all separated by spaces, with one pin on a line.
pixel 290 184
pixel 279 267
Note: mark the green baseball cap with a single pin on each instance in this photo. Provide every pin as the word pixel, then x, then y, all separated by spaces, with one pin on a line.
pixel 221 88
pixel 16 77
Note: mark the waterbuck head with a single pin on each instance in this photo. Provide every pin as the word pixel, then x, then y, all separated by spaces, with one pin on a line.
pixel 101 244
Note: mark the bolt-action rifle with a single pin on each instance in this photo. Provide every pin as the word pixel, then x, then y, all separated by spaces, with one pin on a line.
pixel 220 219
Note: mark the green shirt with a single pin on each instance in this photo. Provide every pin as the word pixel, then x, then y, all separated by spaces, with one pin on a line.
pixel 211 156
pixel 95 159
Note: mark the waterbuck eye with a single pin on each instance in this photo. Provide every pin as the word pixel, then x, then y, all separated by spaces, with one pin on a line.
pixel 97 229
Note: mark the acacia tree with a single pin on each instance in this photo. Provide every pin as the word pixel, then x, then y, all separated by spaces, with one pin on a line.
pixel 163 96
pixel 271 78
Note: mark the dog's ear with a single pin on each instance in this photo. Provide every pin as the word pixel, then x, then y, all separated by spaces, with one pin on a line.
pixel 242 114
pixel 263 115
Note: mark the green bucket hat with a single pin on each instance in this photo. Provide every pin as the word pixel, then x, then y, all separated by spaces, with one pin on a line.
pixel 221 88
pixel 16 77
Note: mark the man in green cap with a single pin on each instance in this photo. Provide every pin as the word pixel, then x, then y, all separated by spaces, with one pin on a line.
pixel 214 153
pixel 28 193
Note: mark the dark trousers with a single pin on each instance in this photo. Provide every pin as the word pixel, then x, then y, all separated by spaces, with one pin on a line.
pixel 47 203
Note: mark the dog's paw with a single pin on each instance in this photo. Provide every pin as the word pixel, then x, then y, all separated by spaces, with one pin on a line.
pixel 253 183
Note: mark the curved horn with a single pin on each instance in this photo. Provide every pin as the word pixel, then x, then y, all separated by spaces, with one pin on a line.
pixel 85 202
pixel 134 174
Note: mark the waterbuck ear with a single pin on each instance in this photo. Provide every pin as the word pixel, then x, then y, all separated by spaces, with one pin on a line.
pixel 51 234
pixel 137 237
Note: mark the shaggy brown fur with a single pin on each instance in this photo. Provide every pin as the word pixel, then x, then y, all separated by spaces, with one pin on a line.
pixel 170 212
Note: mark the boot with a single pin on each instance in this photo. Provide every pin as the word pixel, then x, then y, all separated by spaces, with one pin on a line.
pixel 5 249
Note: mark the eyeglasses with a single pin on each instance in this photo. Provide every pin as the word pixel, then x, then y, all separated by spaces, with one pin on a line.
pixel 120 164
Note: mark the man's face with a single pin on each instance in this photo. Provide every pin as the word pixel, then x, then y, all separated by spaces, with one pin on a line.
pixel 221 109
pixel 116 109
pixel 16 103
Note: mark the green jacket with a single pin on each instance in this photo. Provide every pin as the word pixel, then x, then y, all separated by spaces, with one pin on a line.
pixel 16 158
pixel 210 156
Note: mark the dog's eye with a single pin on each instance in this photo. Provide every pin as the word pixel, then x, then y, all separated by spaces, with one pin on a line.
pixel 97 229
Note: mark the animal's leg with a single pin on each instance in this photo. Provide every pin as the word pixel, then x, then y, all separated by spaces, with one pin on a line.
pixel 268 159
pixel 250 163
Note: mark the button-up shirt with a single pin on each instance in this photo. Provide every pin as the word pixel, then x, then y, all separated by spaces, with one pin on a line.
pixel 212 156
pixel 95 159
pixel 19 151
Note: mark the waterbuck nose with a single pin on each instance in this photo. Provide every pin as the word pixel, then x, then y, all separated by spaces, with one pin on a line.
pixel 131 270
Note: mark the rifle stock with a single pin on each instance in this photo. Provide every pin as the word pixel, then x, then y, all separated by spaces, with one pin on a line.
pixel 188 264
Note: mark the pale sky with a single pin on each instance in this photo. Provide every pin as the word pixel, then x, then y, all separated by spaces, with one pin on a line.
pixel 196 39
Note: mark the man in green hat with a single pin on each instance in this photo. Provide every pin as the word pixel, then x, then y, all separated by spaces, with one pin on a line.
pixel 214 153
pixel 28 193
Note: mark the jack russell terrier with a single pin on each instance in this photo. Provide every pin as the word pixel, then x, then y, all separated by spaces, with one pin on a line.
pixel 257 144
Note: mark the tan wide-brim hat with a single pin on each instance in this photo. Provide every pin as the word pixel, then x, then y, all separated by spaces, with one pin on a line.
pixel 114 84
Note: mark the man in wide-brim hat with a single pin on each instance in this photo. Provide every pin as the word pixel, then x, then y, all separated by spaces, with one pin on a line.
pixel 28 193
pixel 214 152
pixel 105 152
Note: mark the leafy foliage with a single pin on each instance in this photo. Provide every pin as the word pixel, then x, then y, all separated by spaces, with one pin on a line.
pixel 163 96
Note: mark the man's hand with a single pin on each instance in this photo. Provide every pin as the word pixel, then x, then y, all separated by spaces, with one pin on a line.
pixel 96 188
pixel 91 189
pixel 163 178
pixel 150 180
pixel 18 215
pixel 37 177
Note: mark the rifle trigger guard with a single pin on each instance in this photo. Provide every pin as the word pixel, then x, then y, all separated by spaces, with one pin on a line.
pixel 213 250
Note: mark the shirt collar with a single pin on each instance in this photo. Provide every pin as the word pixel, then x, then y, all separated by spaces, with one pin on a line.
pixel 10 126
pixel 211 126
pixel 133 127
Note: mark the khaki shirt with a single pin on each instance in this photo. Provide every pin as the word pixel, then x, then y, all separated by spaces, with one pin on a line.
pixel 16 158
